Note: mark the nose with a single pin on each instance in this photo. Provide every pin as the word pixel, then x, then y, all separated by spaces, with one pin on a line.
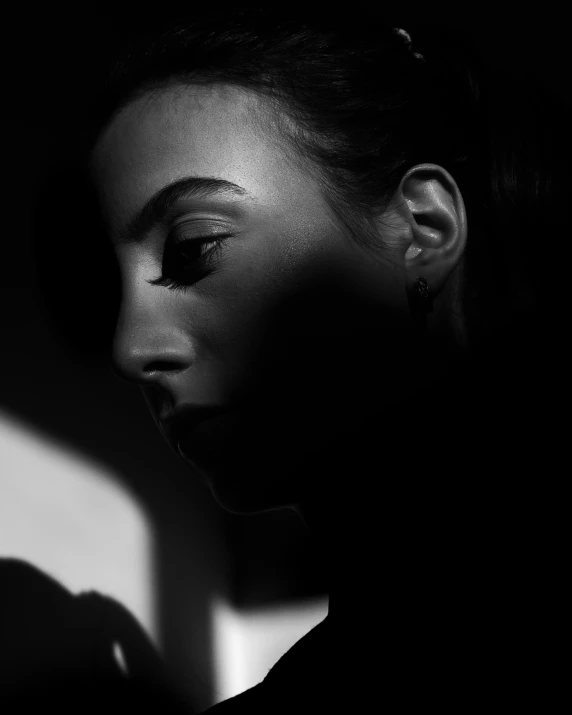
pixel 146 349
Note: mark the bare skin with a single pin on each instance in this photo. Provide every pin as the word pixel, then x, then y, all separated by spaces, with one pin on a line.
pixel 299 334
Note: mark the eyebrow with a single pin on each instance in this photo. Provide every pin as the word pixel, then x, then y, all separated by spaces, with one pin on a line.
pixel 159 204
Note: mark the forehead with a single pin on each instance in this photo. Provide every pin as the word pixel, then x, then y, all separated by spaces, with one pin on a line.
pixel 216 131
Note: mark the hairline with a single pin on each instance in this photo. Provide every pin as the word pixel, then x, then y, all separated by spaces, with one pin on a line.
pixel 286 132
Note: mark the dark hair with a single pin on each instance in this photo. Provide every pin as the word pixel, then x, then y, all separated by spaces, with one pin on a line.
pixel 365 104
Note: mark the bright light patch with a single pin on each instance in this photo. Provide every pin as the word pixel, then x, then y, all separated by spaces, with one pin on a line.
pixel 120 658
pixel 248 643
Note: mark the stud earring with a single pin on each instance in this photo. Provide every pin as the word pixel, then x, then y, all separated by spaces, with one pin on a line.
pixel 420 301
pixel 423 290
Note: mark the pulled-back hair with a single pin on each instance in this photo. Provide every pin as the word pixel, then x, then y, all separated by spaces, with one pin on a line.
pixel 360 104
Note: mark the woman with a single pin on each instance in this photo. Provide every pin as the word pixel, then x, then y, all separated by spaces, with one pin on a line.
pixel 326 277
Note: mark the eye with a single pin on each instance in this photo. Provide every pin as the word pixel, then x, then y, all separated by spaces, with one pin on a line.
pixel 189 251
pixel 188 260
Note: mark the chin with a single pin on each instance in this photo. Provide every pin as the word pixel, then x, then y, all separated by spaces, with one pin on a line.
pixel 243 491
pixel 245 507
pixel 248 475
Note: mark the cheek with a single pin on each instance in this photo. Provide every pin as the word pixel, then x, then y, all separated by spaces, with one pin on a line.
pixel 234 313
pixel 280 326
pixel 283 343
pixel 308 357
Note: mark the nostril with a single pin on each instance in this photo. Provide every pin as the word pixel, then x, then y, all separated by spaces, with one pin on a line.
pixel 158 366
pixel 144 373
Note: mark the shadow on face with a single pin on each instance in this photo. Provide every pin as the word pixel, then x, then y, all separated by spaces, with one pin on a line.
pixel 294 330
pixel 326 366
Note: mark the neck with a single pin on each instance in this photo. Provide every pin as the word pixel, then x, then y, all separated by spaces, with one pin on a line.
pixel 417 533
pixel 384 514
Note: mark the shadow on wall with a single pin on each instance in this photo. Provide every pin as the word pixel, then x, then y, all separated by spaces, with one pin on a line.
pixel 83 652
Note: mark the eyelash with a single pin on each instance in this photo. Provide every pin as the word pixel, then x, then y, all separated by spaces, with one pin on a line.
pixel 198 268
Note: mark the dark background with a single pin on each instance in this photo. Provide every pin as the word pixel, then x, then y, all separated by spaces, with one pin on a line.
pixel 54 313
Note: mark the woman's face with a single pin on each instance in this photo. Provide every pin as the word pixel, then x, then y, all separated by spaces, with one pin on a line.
pixel 278 322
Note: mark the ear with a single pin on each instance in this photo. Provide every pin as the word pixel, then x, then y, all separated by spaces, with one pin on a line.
pixel 434 210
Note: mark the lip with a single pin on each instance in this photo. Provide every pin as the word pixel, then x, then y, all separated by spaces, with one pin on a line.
pixel 186 418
